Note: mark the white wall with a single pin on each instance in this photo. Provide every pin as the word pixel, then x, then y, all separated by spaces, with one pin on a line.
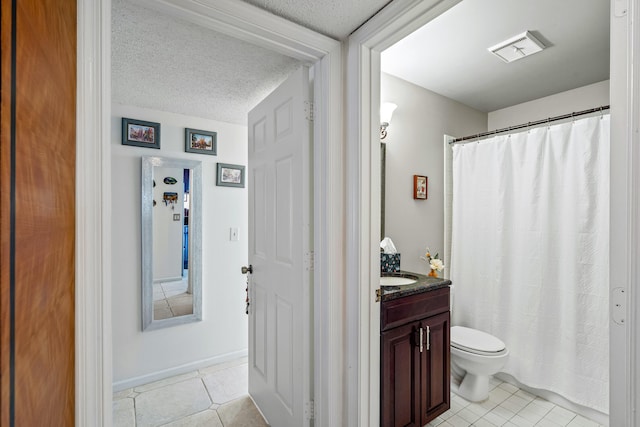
pixel 415 145
pixel 167 233
pixel 582 98
pixel 138 356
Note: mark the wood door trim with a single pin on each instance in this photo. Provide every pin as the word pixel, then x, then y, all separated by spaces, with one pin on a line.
pixel 37 211
pixel 12 213
pixel 12 218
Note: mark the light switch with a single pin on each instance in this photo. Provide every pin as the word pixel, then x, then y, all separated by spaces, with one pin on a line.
pixel 234 234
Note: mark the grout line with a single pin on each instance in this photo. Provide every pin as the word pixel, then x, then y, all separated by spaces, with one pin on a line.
pixel 207 389
pixel 517 413
pixel 135 412
pixel 463 404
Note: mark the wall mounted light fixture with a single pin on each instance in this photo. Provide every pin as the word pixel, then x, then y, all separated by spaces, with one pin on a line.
pixel 386 112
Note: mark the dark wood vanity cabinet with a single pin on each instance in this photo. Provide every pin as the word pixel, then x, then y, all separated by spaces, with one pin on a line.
pixel 415 359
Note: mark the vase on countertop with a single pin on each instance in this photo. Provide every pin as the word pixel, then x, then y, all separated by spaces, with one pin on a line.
pixel 433 273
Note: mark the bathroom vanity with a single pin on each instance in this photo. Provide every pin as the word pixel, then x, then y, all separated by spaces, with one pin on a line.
pixel 415 355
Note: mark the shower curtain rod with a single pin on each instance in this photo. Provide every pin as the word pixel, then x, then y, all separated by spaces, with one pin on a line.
pixel 529 124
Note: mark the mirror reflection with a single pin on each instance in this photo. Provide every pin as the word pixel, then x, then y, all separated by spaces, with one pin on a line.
pixel 171 218
pixel 172 295
pixel 383 179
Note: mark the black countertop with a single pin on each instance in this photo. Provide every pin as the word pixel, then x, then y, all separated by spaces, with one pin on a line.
pixel 423 284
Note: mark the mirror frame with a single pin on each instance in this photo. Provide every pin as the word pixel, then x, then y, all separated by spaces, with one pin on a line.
pixel 195 240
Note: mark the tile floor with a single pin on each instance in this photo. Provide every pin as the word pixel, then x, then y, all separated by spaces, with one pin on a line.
pixel 171 299
pixel 508 406
pixel 215 396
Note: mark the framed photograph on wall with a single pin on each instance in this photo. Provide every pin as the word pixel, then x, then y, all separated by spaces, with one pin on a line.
pixel 201 141
pixel 140 133
pixel 230 175
pixel 420 187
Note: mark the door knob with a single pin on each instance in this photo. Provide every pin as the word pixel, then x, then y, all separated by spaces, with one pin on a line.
pixel 246 270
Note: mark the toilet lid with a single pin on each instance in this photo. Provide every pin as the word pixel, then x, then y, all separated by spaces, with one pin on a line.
pixel 475 340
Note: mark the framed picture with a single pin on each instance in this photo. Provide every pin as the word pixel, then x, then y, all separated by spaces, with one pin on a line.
pixel 200 141
pixel 420 187
pixel 230 175
pixel 140 133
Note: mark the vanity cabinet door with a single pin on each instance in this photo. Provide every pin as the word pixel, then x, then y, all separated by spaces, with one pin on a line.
pixel 435 368
pixel 400 377
pixel 415 359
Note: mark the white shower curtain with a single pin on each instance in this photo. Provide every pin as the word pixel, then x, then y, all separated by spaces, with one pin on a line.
pixel 530 253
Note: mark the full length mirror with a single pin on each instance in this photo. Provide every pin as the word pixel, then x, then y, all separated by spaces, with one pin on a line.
pixel 171 242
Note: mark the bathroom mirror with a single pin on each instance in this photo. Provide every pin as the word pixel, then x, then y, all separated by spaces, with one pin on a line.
pixel 383 179
pixel 171 242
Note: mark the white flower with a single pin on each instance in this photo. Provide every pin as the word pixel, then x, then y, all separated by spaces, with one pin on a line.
pixel 436 264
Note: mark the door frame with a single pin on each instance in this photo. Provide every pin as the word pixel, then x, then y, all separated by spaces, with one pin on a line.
pixel 93 212
pixel 394 22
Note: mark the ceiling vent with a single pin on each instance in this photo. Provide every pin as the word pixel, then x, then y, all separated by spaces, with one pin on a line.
pixel 517 47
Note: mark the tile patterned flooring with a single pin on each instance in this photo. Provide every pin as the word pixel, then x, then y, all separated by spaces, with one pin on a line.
pixel 171 299
pixel 508 406
pixel 215 396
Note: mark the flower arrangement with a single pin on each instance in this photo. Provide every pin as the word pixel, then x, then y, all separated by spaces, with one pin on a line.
pixel 435 263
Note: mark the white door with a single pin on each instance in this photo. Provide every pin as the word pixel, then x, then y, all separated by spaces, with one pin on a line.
pixel 280 229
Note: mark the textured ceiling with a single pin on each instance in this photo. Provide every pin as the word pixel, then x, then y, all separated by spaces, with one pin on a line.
pixel 449 55
pixel 162 62
pixel 333 18
pixel 167 64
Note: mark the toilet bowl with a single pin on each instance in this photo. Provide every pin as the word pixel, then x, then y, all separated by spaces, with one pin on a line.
pixel 475 356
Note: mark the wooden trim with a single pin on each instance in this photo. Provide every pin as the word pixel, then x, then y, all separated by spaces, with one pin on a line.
pixel 391 24
pixel 251 24
pixel 633 245
pixel 7 211
pixel 38 244
pixel 328 237
pixel 395 22
pixel 625 211
pixel 93 225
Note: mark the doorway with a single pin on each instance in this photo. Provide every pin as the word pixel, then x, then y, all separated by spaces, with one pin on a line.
pixel 94 343
pixel 217 140
pixel 365 48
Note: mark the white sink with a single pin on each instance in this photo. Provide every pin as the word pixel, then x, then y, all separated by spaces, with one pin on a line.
pixel 396 281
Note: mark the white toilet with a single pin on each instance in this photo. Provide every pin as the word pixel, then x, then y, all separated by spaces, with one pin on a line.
pixel 475 356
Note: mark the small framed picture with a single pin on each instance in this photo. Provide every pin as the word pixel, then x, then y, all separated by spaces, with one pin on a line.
pixel 420 187
pixel 140 133
pixel 200 141
pixel 230 175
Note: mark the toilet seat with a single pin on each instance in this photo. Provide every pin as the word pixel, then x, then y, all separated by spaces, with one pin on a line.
pixel 475 341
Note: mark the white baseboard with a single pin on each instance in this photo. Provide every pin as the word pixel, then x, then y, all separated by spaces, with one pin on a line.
pixel 592 414
pixel 177 370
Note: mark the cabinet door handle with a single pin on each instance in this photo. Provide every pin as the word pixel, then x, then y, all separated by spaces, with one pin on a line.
pixel 421 339
pixel 428 338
